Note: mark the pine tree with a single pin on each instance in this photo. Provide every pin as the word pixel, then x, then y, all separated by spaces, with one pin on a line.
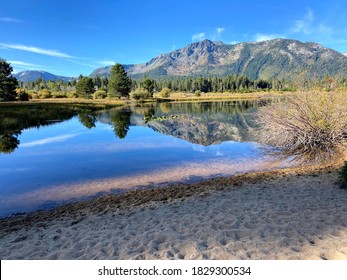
pixel 8 83
pixel 85 87
pixel 148 85
pixel 119 83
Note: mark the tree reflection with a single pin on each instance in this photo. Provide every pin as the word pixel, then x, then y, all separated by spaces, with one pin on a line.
pixel 13 119
pixel 87 120
pixel 8 143
pixel 121 121
pixel 149 113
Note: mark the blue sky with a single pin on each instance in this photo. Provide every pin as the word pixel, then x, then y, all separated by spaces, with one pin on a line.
pixel 75 37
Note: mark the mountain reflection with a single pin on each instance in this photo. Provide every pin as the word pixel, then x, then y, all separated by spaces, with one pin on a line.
pixel 202 123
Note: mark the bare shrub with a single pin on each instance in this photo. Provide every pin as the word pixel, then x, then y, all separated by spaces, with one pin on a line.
pixel 309 126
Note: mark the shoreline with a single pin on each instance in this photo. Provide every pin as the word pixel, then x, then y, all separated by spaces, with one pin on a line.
pixel 293 213
pixel 167 192
pixel 176 97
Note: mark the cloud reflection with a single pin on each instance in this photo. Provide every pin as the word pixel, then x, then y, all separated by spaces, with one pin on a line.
pixel 49 140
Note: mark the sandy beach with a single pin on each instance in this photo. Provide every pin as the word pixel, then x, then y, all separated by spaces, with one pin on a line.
pixel 283 214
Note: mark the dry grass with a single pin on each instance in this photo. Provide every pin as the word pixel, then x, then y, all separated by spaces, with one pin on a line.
pixel 211 96
pixel 310 126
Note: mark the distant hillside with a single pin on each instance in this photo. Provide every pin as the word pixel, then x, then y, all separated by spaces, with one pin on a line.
pixel 278 58
pixel 29 76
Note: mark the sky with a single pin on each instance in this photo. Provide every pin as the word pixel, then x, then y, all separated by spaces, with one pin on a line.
pixel 70 38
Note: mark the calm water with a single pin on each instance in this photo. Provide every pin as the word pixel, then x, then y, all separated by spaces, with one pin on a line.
pixel 56 154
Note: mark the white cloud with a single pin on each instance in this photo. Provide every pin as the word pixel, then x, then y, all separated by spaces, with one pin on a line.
pixel 33 49
pixel 9 19
pixel 214 35
pixel 220 30
pixel 107 62
pixel 49 140
pixel 198 37
pixel 345 54
pixel 265 37
pixel 304 25
pixel 21 63
pixel 308 25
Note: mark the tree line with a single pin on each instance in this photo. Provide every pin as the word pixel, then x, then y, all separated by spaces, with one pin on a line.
pixel 103 87
pixel 119 85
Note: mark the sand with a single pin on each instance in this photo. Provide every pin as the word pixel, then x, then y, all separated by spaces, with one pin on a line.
pixel 284 214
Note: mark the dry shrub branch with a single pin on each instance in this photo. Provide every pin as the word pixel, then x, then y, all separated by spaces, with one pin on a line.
pixel 309 126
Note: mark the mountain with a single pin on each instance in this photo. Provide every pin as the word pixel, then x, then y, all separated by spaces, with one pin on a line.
pixel 30 75
pixel 278 58
pixel 345 54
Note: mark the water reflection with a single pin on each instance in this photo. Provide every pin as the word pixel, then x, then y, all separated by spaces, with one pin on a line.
pixel 120 120
pixel 203 123
pixel 14 119
pixel 8 142
pixel 67 153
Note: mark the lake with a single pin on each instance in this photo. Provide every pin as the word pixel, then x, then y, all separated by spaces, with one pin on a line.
pixel 53 154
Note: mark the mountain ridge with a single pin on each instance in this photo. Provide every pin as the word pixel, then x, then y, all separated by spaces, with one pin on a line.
pixel 33 75
pixel 277 58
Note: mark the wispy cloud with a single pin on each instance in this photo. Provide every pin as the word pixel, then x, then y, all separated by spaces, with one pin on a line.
pixel 308 25
pixel 265 37
pixel 22 63
pixel 49 140
pixel 304 25
pixel 213 35
pixel 220 30
pixel 33 49
pixel 10 19
pixel 198 37
pixel 216 34
pixel 107 62
pixel 81 63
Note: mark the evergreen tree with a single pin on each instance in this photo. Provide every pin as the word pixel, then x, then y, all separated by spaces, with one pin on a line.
pixel 85 87
pixel 97 82
pixel 8 83
pixel 119 83
pixel 148 85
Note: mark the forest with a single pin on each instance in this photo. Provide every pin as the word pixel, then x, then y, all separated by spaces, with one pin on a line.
pixel 98 87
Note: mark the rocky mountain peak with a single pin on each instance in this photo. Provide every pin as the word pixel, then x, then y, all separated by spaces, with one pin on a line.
pixel 277 58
